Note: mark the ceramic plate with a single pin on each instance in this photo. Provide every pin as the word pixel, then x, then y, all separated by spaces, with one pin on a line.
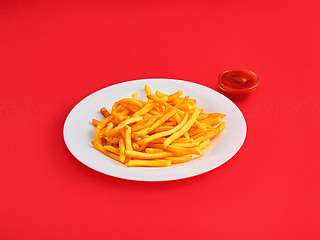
pixel 79 132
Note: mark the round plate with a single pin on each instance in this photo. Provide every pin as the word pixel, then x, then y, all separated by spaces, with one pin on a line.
pixel 79 132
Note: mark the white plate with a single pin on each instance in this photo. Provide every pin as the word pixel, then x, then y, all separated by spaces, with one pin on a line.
pixel 79 132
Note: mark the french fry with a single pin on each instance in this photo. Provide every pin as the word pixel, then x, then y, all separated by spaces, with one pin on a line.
pixel 112 149
pixel 181 159
pixel 112 140
pixel 203 116
pixel 118 128
pixel 171 123
pixel 217 115
pixel 132 108
pixel 204 144
pixel 95 122
pixel 130 101
pixel 197 136
pixel 160 94
pixel 200 126
pixel 149 163
pixel 121 114
pixel 100 148
pixel 212 133
pixel 135 138
pixel 145 109
pixel 144 155
pixel 156 145
pixel 181 102
pixel 153 150
pixel 186 145
pixel 104 112
pixel 135 95
pixel 100 126
pixel 179 140
pixel 127 138
pixel 194 132
pixel 187 107
pixel 162 128
pixel 221 126
pixel 122 156
pixel 177 118
pixel 108 128
pixel 179 151
pixel 174 96
pixel 147 89
pixel 135 146
pixel 211 121
pixel 191 101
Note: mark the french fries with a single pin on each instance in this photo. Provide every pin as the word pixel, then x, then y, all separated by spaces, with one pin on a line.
pixel 166 129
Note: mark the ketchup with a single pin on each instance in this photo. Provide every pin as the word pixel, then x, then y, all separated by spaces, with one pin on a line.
pixel 238 84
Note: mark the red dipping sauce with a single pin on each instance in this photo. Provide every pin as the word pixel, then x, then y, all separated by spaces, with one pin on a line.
pixel 238 83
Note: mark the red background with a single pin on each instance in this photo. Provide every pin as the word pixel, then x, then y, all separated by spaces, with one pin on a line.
pixel 53 54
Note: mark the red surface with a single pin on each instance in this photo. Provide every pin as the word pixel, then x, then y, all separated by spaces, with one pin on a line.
pixel 53 54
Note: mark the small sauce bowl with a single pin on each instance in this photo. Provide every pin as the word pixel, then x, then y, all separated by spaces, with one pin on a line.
pixel 238 84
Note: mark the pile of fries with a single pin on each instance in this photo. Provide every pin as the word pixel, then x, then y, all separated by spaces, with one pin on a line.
pixel 159 132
